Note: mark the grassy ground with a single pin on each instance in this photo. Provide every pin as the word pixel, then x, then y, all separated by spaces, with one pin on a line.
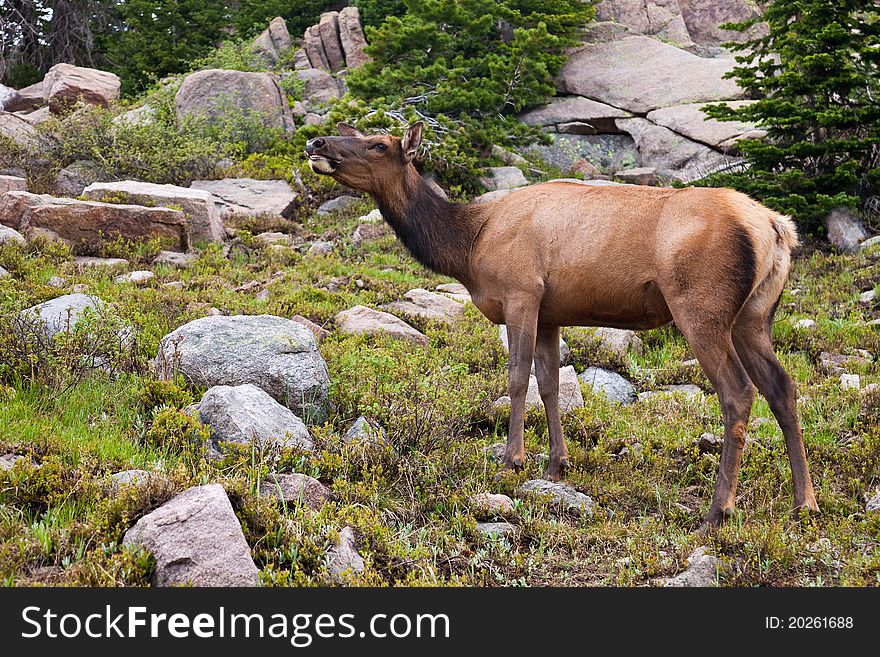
pixel 59 525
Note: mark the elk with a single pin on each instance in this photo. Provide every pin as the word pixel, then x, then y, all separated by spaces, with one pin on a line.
pixel 556 254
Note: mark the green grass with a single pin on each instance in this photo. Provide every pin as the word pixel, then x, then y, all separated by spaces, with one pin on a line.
pixel 408 502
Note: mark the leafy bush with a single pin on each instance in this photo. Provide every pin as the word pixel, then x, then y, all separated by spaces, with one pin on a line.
pixel 815 77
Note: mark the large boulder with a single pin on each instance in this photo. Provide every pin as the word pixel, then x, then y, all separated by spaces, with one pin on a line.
pixel 275 354
pixel 12 184
pixel 203 215
pixel 68 84
pixel 671 154
pixel 246 415
pixel 319 87
pixel 352 37
pixel 273 42
pixel 17 130
pixel 87 224
pixel 640 74
pixel 61 314
pixel 658 18
pixel 609 151
pixel 705 17
pixel 28 98
pixel 361 320
pixel 690 121
pixel 213 93
pixel 575 109
pixel 328 28
pixel 196 540
pixel 8 96
pixel 242 197
pixel 314 49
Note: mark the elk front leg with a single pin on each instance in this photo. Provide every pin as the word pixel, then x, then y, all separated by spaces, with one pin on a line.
pixel 547 370
pixel 522 325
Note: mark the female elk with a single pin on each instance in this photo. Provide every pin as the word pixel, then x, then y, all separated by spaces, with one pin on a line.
pixel 564 254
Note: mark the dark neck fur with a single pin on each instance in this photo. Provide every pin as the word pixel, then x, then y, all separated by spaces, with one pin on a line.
pixel 438 234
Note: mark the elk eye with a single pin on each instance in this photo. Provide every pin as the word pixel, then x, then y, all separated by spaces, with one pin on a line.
pixel 381 147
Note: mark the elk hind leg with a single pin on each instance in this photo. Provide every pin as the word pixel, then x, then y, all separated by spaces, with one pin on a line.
pixel 751 336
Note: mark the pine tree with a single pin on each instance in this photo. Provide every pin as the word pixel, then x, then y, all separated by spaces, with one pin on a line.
pixel 814 75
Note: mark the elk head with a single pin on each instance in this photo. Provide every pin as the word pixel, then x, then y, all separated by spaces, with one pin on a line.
pixel 370 163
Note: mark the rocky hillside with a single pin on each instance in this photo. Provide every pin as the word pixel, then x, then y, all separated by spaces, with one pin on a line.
pixel 241 378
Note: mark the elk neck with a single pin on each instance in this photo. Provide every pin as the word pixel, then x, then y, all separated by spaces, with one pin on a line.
pixel 438 234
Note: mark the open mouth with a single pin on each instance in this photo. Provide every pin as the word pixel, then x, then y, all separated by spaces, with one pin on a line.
pixel 321 164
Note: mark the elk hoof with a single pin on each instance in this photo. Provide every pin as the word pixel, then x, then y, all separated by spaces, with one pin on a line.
pixel 556 470
pixel 514 463
pixel 715 518
pixel 807 508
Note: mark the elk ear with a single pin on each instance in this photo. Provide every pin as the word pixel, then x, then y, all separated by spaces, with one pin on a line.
pixel 412 140
pixel 347 131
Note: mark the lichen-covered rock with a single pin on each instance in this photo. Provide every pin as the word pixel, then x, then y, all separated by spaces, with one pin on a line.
pixel 487 505
pixel 702 571
pixel 196 540
pixel 246 414
pixel 563 495
pixel 273 353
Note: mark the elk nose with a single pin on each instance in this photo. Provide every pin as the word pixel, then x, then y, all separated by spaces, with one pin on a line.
pixel 314 144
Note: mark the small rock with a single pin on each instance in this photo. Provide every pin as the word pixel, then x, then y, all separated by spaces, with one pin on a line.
pixel 869 243
pixel 262 295
pixel 12 184
pixel 140 277
pixel 270 238
pixel 294 488
pixel 366 321
pixel 689 391
pixel 873 504
pixel 365 430
pixel 3 273
pixel 490 504
pixel 834 363
pixel 683 508
pixel 638 176
pixel 56 281
pixel 564 350
pixel 804 325
pixel 845 230
pixel 214 312
pixel 570 395
pixel 562 494
pixel 8 461
pixel 496 178
pixel 246 414
pixel 586 168
pixel 174 259
pixel 619 341
pixel 496 530
pixel 320 248
pixel 428 305
pixel 83 262
pixel 177 285
pixel 611 385
pixel 710 443
pixel 850 382
pixel 337 204
pixel 495 452
pixel 8 234
pixel 703 570
pixel 868 297
pixel 196 540
pixel 343 559
pixel 372 217
pixel 319 332
pixel 118 480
